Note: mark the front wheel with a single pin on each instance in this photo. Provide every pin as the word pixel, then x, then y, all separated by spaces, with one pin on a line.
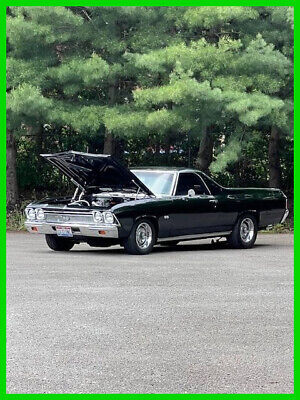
pixel 141 239
pixel 58 244
pixel 244 232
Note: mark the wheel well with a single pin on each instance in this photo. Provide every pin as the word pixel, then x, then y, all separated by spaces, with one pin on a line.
pixel 255 213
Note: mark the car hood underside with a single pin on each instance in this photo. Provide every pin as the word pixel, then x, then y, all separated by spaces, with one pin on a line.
pixel 92 172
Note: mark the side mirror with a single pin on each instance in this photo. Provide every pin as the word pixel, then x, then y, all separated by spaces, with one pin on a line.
pixel 191 193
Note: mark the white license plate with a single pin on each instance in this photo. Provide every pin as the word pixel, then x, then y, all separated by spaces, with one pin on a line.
pixel 65 231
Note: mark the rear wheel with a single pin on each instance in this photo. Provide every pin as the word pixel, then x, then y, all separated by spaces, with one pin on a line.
pixel 58 244
pixel 244 232
pixel 141 239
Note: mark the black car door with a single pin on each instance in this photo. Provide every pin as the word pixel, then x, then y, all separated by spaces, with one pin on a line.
pixel 227 204
pixel 195 213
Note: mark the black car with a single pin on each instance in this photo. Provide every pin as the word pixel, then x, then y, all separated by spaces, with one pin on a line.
pixel 142 207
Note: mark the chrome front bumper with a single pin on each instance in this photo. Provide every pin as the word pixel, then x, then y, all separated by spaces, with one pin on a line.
pixel 285 215
pixel 100 231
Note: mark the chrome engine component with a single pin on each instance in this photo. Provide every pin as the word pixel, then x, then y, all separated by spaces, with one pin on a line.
pixel 98 201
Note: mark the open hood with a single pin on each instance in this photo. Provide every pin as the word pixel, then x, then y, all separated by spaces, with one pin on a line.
pixel 95 171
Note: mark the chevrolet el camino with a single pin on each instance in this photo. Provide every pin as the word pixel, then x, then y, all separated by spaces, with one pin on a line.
pixel 142 207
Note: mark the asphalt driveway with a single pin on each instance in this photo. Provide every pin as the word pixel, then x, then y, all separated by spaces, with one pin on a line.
pixel 194 319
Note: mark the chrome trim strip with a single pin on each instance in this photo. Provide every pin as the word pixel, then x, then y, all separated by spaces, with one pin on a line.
pixel 173 191
pixel 285 215
pixel 203 183
pixel 71 224
pixel 197 236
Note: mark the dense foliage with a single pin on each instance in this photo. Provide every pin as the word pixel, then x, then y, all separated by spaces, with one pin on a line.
pixel 210 87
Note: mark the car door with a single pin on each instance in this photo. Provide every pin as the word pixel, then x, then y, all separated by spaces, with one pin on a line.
pixel 228 204
pixel 193 214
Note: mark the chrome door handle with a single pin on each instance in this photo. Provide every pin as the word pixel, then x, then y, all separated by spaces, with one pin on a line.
pixel 214 201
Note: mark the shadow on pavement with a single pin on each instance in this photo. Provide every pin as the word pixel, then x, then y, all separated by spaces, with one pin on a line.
pixel 161 249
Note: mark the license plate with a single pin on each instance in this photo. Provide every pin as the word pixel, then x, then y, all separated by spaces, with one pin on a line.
pixel 65 231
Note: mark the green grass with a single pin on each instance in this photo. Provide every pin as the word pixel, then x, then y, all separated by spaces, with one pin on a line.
pixel 15 219
pixel 286 227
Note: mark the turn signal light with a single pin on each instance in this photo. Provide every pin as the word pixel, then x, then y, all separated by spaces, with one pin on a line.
pixel 102 232
pixel 34 228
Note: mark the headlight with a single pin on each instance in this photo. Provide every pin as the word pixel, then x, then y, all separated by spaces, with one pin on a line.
pixel 98 216
pixel 30 213
pixel 108 217
pixel 40 214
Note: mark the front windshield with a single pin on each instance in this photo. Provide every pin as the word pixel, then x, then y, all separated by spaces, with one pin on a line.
pixel 159 182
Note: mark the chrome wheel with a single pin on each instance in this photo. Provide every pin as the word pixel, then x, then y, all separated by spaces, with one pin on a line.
pixel 247 230
pixel 143 235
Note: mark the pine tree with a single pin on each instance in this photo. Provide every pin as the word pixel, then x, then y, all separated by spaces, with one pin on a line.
pixel 212 82
pixel 67 66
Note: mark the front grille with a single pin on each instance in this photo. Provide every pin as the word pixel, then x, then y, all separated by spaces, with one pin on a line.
pixel 71 217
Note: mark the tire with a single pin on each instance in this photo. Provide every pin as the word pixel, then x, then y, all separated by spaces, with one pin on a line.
pixel 244 232
pixel 170 244
pixel 58 244
pixel 141 239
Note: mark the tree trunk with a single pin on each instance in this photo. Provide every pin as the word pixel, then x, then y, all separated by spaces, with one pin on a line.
pixel 109 147
pixel 109 142
pixel 12 192
pixel 39 132
pixel 274 160
pixel 205 152
pixel 119 147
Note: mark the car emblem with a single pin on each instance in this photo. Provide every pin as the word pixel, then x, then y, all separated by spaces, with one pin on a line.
pixel 63 218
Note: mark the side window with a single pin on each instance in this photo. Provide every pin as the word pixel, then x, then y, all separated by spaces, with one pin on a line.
pixel 187 181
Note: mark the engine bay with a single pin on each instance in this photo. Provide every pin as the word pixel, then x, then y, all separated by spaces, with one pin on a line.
pixel 105 200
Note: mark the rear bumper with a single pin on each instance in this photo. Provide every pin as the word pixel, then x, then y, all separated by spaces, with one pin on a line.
pixel 285 215
pixel 103 231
